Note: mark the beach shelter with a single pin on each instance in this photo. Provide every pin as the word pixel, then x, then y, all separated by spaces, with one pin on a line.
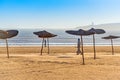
pixel 80 33
pixel 93 32
pixel 45 37
pixel 111 37
pixel 8 34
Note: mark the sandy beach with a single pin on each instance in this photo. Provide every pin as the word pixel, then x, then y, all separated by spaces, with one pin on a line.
pixel 25 63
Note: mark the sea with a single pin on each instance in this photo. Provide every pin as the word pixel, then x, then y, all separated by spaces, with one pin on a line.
pixel 27 38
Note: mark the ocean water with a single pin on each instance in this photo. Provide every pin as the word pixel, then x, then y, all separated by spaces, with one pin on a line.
pixel 27 38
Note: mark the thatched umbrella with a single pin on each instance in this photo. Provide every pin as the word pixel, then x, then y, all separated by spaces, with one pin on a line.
pixel 93 32
pixel 80 33
pixel 45 35
pixel 111 37
pixel 7 34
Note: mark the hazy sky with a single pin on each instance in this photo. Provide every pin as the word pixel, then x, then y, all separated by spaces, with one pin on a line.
pixel 57 13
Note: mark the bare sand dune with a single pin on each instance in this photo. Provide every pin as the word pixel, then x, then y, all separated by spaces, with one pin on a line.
pixel 25 63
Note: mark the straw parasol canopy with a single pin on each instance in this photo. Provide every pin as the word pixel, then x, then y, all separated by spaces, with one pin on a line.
pixel 93 32
pixel 12 33
pixel 8 34
pixel 3 34
pixel 111 37
pixel 78 32
pixel 96 31
pixel 44 34
pixel 81 33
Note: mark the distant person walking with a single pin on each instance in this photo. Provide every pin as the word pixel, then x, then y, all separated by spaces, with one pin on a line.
pixel 78 47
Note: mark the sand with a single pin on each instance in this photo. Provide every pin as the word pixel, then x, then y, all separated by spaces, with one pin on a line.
pixel 25 63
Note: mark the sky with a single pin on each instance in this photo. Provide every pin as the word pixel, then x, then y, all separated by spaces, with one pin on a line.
pixel 57 14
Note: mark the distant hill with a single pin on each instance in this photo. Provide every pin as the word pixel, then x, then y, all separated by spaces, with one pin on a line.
pixel 109 27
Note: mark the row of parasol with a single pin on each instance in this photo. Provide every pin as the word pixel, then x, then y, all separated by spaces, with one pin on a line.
pixel 91 31
pixel 12 33
pixel 46 35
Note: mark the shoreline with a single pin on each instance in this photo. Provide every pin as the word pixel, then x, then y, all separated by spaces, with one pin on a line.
pixel 56 49
pixel 58 45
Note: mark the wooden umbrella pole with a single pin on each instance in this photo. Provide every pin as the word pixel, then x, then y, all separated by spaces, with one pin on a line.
pixel 48 44
pixel 94 46
pixel 82 50
pixel 112 47
pixel 81 44
pixel 42 46
pixel 7 48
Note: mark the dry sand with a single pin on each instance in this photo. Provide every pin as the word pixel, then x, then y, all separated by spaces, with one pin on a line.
pixel 62 63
